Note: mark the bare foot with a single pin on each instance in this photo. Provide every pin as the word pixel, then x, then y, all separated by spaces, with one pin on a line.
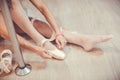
pixel 90 41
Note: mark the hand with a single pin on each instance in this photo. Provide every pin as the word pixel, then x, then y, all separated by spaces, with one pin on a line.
pixel 61 41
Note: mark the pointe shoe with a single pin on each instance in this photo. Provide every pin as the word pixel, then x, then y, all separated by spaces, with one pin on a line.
pixel 6 61
pixel 58 54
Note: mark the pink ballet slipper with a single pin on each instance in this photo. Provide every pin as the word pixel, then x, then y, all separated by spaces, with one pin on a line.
pixel 58 54
pixel 6 61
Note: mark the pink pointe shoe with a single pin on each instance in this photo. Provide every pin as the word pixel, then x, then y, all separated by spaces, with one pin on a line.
pixel 58 54
pixel 6 61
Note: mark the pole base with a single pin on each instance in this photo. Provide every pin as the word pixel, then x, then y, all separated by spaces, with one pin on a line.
pixel 23 71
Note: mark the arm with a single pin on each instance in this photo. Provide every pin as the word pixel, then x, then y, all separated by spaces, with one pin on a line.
pixel 44 10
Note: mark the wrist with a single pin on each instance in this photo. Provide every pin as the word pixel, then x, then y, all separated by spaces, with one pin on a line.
pixel 59 34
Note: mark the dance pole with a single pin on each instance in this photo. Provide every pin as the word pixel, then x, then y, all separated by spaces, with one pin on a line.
pixel 22 69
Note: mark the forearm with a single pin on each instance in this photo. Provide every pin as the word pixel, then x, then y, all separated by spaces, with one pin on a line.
pixel 50 20
pixel 26 44
pixel 47 14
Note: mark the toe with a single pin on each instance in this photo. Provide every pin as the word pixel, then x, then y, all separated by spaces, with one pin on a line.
pixel 106 38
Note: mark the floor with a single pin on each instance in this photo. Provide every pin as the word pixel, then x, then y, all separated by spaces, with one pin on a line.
pixel 86 17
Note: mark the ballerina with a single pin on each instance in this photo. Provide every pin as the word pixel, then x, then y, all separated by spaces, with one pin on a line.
pixel 38 30
pixel 41 32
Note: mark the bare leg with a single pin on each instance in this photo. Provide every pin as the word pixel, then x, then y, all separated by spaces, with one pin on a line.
pixel 24 43
pixel 21 19
pixel 86 41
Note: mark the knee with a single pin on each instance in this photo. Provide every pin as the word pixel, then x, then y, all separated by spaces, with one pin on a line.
pixel 14 4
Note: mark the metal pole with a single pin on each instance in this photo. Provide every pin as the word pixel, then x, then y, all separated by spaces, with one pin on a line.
pixel 22 68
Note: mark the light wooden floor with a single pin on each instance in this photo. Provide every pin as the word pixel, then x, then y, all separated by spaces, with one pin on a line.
pixel 88 17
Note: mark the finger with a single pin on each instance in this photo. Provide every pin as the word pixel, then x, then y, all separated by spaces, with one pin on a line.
pixel 58 44
pixel 65 42
pixel 62 44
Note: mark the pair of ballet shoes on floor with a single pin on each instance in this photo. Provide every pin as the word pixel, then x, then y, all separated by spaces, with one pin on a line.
pixel 5 61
